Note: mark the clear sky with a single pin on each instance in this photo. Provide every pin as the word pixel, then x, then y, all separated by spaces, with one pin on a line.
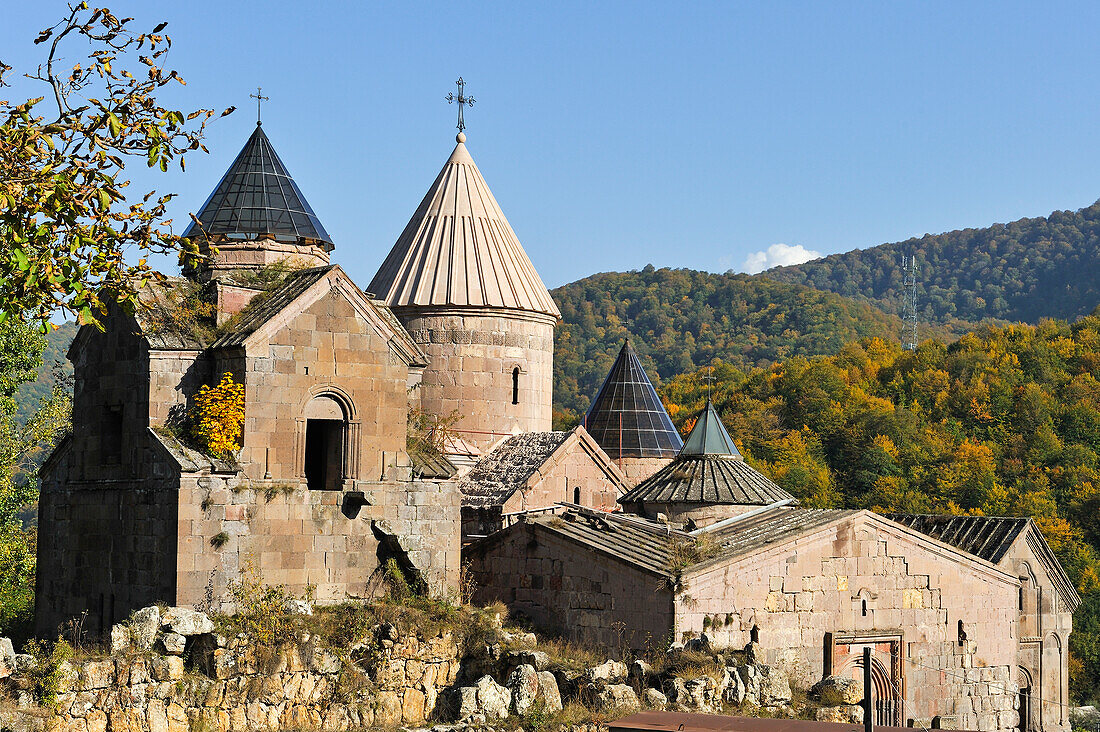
pixel 615 135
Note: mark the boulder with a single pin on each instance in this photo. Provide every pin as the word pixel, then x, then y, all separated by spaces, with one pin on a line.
pixel 640 671
pixel 703 695
pixel 299 607
pixel 120 638
pixel 539 659
pixel 186 622
pixel 617 698
pixel 493 700
pixel 844 714
pixel 609 672
pixel 549 694
pixel 524 687
pixel 144 626
pixel 174 643
pixel 733 688
pixel 754 654
pixel 751 681
pixel 166 668
pixel 654 699
pixel 837 691
pixel 775 687
pixel 465 701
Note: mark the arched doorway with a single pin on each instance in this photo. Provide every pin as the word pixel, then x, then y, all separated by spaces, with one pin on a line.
pixel 326 443
pixel 1025 684
pixel 885 675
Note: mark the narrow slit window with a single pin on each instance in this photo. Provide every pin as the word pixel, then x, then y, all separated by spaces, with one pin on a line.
pixel 576 494
pixel 515 385
pixel 863 607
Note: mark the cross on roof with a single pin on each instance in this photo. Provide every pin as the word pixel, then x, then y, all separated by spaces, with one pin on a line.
pixel 259 97
pixel 708 379
pixel 462 99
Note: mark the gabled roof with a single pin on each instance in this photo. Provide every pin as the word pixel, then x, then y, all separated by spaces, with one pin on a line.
pixel 459 250
pixel 709 469
pixel 709 436
pixel 627 405
pixel 304 287
pixel 430 464
pixel 513 465
pixel 256 198
pixel 988 537
pixel 655 547
pixel 991 537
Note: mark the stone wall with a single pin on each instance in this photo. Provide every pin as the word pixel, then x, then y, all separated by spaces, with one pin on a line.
pixel 941 625
pixel 587 598
pixel 472 354
pixel 329 540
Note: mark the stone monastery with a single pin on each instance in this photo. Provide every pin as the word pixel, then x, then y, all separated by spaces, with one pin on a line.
pixel 617 530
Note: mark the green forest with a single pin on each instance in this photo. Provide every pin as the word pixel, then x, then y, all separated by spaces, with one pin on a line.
pixel 1004 421
pixel 680 319
pixel 1022 271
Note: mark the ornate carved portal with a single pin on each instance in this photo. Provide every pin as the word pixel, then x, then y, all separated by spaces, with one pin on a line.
pixel 846 659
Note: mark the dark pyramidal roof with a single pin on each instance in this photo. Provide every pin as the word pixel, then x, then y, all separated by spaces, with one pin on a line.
pixel 257 197
pixel 709 469
pixel 647 430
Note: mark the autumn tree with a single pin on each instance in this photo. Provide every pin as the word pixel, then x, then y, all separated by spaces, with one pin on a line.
pixel 72 239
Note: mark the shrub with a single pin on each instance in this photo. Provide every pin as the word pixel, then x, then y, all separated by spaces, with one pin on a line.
pixel 217 419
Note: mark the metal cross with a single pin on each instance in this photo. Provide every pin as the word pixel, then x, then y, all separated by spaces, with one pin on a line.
pixel 259 97
pixel 708 379
pixel 462 99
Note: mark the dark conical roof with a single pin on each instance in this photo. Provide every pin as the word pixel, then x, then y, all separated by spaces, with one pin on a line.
pixel 257 197
pixel 647 430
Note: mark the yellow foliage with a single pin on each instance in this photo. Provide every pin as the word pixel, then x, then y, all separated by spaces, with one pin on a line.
pixel 217 419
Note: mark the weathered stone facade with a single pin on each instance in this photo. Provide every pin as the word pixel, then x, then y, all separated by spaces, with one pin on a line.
pixel 812 589
pixel 130 516
pixel 494 368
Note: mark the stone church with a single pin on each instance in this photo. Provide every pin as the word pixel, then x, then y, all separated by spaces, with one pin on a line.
pixel 618 527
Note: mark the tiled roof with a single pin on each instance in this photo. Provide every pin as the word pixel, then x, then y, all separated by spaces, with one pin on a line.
pixel 627 417
pixel 988 537
pixel 651 546
pixel 459 250
pixel 707 479
pixel 499 474
pixel 257 197
pixel 268 305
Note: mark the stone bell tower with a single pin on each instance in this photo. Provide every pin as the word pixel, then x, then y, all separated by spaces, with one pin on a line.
pixel 462 285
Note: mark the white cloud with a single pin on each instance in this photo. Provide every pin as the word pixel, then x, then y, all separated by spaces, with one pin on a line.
pixel 778 255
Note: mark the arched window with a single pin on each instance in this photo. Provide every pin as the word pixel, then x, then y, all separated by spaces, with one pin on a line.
pixel 326 443
pixel 515 385
pixel 576 494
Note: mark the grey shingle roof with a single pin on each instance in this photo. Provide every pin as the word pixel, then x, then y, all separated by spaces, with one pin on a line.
pixel 499 474
pixel 627 417
pixel 720 479
pixel 270 304
pixel 257 197
pixel 988 537
pixel 650 546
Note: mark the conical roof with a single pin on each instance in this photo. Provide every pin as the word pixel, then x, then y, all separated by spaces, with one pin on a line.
pixel 257 197
pixel 627 394
pixel 459 250
pixel 708 470
pixel 709 436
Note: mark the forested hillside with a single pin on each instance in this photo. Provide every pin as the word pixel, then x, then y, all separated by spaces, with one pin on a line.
pixel 54 367
pixel 1022 271
pixel 1005 421
pixel 680 319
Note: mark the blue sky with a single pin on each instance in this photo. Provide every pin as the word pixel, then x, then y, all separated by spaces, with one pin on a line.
pixel 615 135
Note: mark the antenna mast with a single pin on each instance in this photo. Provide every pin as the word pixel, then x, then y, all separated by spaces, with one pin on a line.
pixel 910 334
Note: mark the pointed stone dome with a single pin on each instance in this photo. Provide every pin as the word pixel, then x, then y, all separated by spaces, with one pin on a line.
pixel 459 250
pixel 257 198
pixel 627 394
